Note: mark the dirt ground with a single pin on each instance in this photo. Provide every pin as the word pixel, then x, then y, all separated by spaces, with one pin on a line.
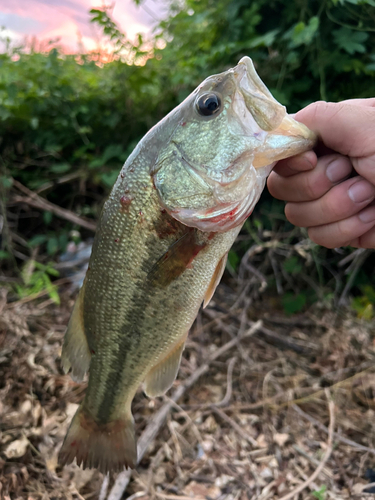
pixel 265 407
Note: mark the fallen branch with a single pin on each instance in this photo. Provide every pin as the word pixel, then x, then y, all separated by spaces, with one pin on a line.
pixel 36 201
pixel 154 426
pixel 318 470
pixel 349 442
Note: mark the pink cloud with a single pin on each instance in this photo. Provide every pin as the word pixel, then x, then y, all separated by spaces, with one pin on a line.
pixel 70 20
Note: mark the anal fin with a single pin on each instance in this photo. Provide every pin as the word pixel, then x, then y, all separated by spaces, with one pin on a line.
pixel 215 280
pixel 161 376
pixel 76 352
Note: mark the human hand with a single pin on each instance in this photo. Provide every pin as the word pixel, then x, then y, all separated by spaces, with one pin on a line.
pixel 321 193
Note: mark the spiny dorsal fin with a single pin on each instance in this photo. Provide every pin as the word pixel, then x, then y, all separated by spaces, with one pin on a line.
pixel 76 352
pixel 160 378
pixel 215 280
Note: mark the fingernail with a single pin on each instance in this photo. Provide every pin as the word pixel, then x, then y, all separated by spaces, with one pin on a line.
pixel 367 215
pixel 361 191
pixel 338 170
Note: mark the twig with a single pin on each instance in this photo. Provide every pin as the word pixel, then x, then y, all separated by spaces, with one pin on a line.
pixel 350 257
pixel 271 337
pixel 228 393
pixel 364 487
pixel 318 470
pixel 36 201
pixel 104 488
pixel 313 460
pixel 356 264
pixel 61 180
pixel 234 424
pixel 349 442
pixel 154 426
pixel 279 286
pixel 171 497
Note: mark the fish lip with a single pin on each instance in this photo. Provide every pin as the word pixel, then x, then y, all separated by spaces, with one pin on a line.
pixel 283 132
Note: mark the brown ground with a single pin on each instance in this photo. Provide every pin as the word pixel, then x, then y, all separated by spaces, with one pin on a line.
pixel 293 395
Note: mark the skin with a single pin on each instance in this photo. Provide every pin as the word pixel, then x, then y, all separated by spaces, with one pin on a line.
pixel 331 191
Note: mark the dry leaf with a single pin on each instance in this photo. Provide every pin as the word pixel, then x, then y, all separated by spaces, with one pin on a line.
pixel 262 443
pixel 17 448
pixel 280 438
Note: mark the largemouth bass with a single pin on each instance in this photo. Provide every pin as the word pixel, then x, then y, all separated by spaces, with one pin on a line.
pixel 160 251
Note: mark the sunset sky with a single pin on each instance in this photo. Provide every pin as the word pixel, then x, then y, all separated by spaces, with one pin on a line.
pixel 70 20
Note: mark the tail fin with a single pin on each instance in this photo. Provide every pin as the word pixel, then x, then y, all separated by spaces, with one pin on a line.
pixel 108 447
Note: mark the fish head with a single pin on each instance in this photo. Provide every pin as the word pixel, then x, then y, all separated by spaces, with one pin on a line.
pixel 224 140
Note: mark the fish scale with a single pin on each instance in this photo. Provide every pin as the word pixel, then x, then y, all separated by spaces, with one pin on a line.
pixel 160 250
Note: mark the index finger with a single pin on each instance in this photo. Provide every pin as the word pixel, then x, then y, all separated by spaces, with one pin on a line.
pixel 295 164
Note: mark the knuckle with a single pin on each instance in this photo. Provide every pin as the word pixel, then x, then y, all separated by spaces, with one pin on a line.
pixel 310 187
pixel 335 211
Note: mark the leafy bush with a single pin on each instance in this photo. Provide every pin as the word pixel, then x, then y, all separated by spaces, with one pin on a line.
pixel 68 122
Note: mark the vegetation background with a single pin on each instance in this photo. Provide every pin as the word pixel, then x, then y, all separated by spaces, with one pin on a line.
pixel 68 122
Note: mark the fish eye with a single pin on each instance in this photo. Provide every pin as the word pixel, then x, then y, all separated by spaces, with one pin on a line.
pixel 208 104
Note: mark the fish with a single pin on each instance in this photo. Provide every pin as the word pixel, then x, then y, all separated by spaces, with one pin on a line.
pixel 160 250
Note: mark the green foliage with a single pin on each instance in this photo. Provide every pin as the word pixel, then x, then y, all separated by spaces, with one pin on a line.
pixel 301 49
pixel 350 41
pixel 293 303
pixel 233 260
pixel 68 122
pixel 364 304
pixel 292 265
pixel 37 278
pixel 321 493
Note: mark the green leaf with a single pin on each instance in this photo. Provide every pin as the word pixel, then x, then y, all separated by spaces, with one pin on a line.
pixel 350 41
pixel 109 178
pixel 47 217
pixel 301 33
pixel 292 265
pixel 34 122
pixel 6 181
pixel 293 303
pixel 37 240
pixel 60 168
pixel 52 246
pixel 320 494
pixel 233 259
pixel 267 39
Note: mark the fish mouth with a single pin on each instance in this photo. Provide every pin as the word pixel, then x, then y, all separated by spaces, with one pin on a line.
pixel 285 136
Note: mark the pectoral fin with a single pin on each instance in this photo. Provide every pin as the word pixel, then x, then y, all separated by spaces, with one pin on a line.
pixel 160 378
pixel 175 260
pixel 76 352
pixel 215 280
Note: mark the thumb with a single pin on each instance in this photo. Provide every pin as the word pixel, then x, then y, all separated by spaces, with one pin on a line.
pixel 347 127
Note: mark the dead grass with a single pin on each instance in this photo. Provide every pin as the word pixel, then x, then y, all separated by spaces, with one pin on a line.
pixel 294 396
